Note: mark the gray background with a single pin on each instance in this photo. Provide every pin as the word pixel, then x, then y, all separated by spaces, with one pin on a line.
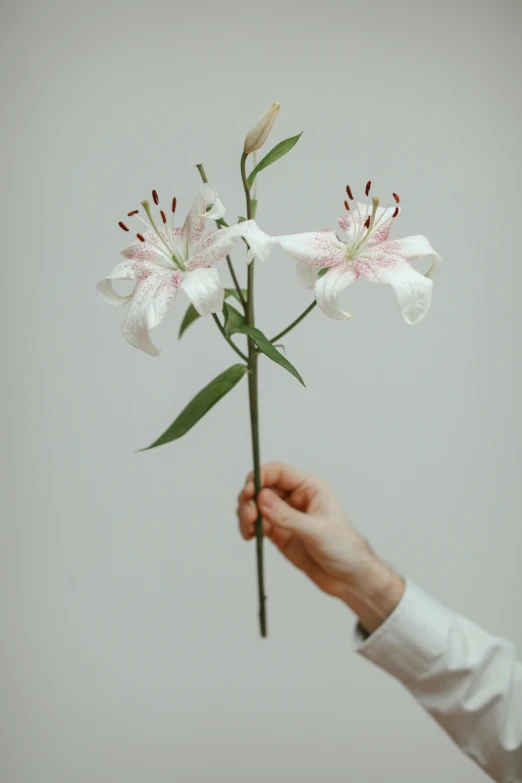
pixel 130 650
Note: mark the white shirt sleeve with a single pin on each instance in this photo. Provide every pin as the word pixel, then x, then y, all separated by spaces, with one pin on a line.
pixel 467 679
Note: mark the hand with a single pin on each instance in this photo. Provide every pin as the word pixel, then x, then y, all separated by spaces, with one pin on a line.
pixel 304 519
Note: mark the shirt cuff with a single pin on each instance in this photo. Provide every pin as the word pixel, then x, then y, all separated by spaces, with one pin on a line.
pixel 411 639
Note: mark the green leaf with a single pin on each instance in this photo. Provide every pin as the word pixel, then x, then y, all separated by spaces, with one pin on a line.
pixel 323 271
pixel 277 152
pixel 201 404
pixel 234 321
pixel 241 219
pixel 233 292
pixel 264 345
pixel 192 314
pixel 253 207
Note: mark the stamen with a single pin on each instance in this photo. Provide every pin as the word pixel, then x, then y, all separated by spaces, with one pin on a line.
pixel 347 206
pixel 163 216
pixel 367 222
pixel 397 210
pixel 349 192
pixel 155 197
pixel 141 237
pixel 367 188
pixel 134 212
pixel 123 226
pixel 396 197
pixel 174 202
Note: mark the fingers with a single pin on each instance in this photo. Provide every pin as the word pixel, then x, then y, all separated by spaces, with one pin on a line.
pixel 276 511
pixel 247 515
pixel 277 474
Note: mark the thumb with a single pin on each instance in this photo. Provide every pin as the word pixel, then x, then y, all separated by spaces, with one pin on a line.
pixel 275 510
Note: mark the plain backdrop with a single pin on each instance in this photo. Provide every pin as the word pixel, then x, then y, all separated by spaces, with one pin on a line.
pixel 130 649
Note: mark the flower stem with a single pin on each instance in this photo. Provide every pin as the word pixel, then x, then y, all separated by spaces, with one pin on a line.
pixel 254 416
pixel 239 290
pixel 227 338
pixel 294 323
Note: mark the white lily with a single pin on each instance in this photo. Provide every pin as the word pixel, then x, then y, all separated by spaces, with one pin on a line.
pixel 165 259
pixel 369 253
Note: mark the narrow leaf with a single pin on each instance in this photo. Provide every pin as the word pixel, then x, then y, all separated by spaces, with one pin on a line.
pixel 234 321
pixel 233 292
pixel 192 314
pixel 201 404
pixel 264 345
pixel 253 207
pixel 277 152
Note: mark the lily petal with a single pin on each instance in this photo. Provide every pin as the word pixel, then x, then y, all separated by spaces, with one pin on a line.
pixel 194 224
pixel 314 248
pixel 150 250
pixel 413 290
pixel 389 262
pixel 125 270
pixel 307 275
pixel 413 249
pixel 204 289
pixel 151 301
pixel 217 210
pixel 261 244
pixel 329 287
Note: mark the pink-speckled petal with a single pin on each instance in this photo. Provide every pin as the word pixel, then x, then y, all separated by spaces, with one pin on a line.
pixel 389 262
pixel 151 301
pixel 415 248
pixel 150 250
pixel 205 205
pixel 125 270
pixel 204 289
pixel 307 275
pixel 194 225
pixel 213 247
pixel 314 248
pixel 329 287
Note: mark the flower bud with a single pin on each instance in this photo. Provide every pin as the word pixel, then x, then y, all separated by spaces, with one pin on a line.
pixel 258 133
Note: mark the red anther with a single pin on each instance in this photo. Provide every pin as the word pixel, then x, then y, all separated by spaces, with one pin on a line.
pixel 367 188
pixel 397 210
pixel 349 192
pixel 163 216
pixel 123 226
pixel 134 212
pixel 396 197
pixel 367 222
pixel 155 197
pixel 174 202
pixel 347 206
pixel 141 237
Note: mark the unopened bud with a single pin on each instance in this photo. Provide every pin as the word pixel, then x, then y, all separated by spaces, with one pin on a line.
pixel 258 133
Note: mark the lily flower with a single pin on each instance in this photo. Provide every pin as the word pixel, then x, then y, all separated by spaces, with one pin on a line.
pixel 329 265
pixel 165 259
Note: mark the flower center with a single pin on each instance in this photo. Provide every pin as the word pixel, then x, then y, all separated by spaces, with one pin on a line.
pixel 368 222
pixel 166 248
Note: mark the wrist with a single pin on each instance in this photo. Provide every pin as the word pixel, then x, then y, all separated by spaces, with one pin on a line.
pixel 373 592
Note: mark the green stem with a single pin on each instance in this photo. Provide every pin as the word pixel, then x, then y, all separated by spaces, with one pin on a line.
pixel 227 338
pixel 294 323
pixel 203 175
pixel 254 416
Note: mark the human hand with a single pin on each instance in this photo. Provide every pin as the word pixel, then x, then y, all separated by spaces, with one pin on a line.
pixel 304 519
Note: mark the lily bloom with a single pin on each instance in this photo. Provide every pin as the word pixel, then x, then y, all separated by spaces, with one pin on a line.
pixel 165 259
pixel 329 265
